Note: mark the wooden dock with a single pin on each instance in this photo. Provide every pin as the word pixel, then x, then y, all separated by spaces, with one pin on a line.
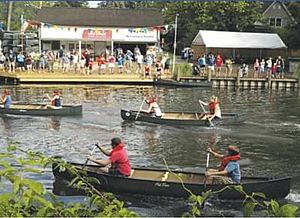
pixel 136 79
pixel 272 83
pixel 72 78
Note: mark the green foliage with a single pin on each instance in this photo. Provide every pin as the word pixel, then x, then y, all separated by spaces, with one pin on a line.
pixel 182 70
pixel 272 207
pixel 29 9
pixel 28 197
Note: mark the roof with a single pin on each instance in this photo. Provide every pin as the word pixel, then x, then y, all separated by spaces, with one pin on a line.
pixel 223 39
pixel 284 8
pixel 100 17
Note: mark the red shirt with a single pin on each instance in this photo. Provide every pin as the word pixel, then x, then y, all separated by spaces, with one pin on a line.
pixel 120 161
pixel 101 60
pixel 219 62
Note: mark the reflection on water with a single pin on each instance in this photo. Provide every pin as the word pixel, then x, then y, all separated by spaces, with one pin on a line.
pixel 269 138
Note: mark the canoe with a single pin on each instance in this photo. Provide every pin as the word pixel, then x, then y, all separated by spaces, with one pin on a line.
pixel 163 183
pixel 41 110
pixel 180 118
pixel 164 82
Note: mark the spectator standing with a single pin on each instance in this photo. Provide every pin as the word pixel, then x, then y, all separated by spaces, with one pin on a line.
pixel 228 65
pixel 219 64
pixel 75 61
pixel 136 52
pixel 21 61
pixel 211 61
pixel 167 64
pixel 190 55
pixel 2 61
pixel 111 63
pixel 66 63
pixel 202 64
pixel 61 54
pixel 90 65
pixel 28 63
pixel 274 68
pixel 101 63
pixel 262 68
pixel 149 61
pixel 120 62
pixel 42 62
pixel 128 61
pixel 159 69
pixel 280 67
pixel 51 59
pixel 139 61
pixel 11 61
pixel 256 67
pixel 269 67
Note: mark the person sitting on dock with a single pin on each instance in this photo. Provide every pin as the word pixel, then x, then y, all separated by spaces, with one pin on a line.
pixel 153 107
pixel 214 109
pixel 229 170
pixel 118 162
pixel 55 100
pixel 6 99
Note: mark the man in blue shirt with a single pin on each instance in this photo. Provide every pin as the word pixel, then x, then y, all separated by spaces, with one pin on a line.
pixel 6 99
pixel 229 171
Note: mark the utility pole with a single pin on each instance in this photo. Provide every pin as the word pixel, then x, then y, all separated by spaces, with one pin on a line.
pixel 9 9
pixel 175 43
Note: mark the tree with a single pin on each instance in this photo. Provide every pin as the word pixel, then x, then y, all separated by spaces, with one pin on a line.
pixel 28 10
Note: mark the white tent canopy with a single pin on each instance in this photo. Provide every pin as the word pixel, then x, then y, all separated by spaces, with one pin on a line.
pixel 223 39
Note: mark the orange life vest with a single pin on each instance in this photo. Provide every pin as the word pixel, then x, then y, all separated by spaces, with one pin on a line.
pixel 227 159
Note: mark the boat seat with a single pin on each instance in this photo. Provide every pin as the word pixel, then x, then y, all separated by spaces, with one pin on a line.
pixel 131 173
pixel 165 176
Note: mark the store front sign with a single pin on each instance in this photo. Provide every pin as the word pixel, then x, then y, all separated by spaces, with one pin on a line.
pixel 97 34
pixel 135 34
pixel 59 32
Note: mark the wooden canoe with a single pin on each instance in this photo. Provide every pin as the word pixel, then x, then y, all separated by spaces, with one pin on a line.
pixel 180 118
pixel 164 82
pixel 163 183
pixel 41 110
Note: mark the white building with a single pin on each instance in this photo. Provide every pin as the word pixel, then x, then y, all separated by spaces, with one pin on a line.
pixel 98 28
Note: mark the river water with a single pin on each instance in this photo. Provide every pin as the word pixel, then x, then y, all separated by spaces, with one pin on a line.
pixel 269 137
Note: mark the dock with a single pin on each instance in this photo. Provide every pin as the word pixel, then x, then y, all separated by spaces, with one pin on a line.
pixel 72 78
pixel 247 82
pixel 136 79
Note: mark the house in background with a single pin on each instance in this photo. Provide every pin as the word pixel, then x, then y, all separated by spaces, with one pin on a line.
pixel 277 15
pixel 237 45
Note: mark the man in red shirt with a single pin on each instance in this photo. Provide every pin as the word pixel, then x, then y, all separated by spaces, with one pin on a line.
pixel 118 161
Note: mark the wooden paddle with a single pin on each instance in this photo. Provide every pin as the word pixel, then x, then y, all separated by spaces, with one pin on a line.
pixel 210 122
pixel 138 113
pixel 87 160
pixel 206 168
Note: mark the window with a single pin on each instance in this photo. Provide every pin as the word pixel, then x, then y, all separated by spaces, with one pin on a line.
pixel 278 22
pixel 275 21
pixel 272 21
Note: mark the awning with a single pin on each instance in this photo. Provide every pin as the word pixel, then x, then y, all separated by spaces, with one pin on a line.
pixel 223 39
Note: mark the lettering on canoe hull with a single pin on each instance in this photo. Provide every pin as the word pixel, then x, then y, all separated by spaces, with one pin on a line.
pixel 162 184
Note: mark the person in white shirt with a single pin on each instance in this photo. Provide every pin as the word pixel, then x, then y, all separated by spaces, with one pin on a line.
pixel 153 107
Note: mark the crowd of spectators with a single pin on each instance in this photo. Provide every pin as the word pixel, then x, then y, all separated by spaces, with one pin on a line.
pixel 147 65
pixel 218 66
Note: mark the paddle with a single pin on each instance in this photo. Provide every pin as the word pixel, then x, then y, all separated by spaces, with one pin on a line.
pixel 211 123
pixel 138 113
pixel 206 168
pixel 87 160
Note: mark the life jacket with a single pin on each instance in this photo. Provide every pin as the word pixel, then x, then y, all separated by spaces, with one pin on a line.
pixel 150 101
pixel 56 102
pixel 212 107
pixel 118 148
pixel 227 159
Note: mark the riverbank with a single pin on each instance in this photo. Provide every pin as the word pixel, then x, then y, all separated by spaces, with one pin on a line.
pixel 60 77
